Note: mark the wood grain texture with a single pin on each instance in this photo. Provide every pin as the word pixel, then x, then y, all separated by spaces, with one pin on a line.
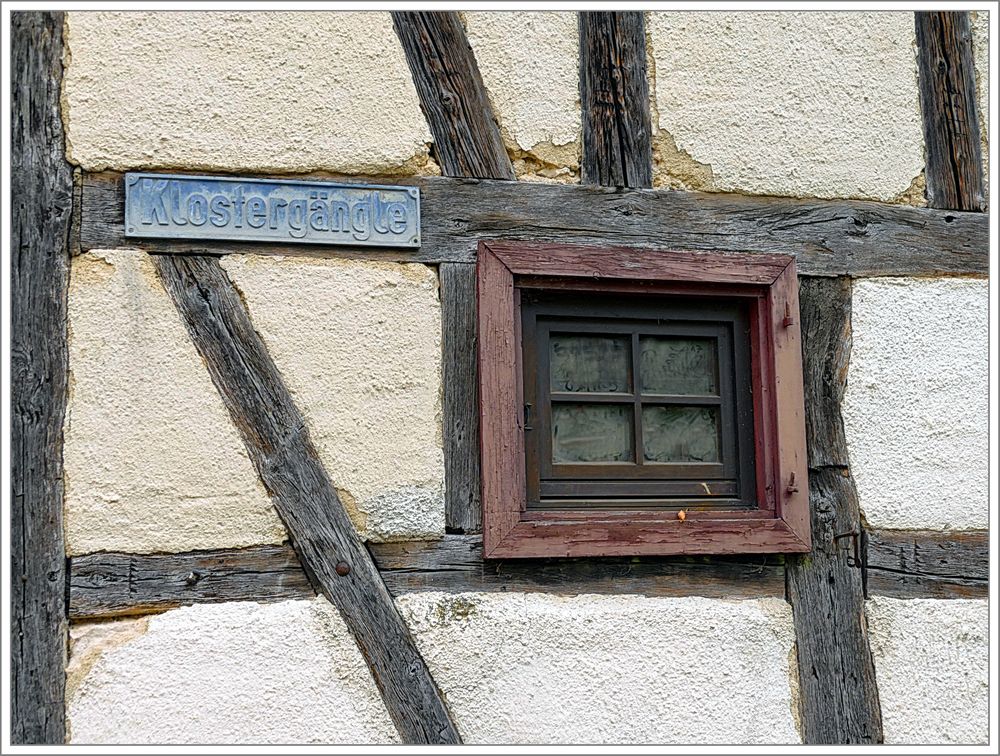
pixel 467 139
pixel 826 338
pixel 928 563
pixel 463 510
pixel 41 203
pixel 947 77
pixel 277 440
pixel 614 100
pixel 112 584
pixel 838 693
pixel 500 401
pixel 616 262
pixel 827 237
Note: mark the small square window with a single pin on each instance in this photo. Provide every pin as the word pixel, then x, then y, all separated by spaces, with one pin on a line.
pixel 639 402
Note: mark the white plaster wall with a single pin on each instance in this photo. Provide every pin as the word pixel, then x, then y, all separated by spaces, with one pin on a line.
pixel 916 410
pixel 529 62
pixel 981 57
pixel 531 668
pixel 932 667
pixel 152 460
pixel 265 91
pixel 359 346
pixel 224 673
pixel 788 103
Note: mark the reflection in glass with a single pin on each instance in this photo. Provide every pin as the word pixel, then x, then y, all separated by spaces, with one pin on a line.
pixel 591 433
pixel 677 366
pixel 589 363
pixel 680 434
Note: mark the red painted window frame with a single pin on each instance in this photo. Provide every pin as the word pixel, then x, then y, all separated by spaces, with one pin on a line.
pixel 770 284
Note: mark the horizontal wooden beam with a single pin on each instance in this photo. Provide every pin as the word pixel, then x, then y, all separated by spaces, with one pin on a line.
pixel 828 237
pixel 112 584
pixel 905 564
pixel 928 563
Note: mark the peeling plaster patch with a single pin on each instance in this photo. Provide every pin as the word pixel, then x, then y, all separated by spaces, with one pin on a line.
pixel 981 59
pixel 807 118
pixel 530 67
pixel 915 194
pixel 932 665
pixel 152 460
pixel 359 346
pixel 916 408
pixel 277 92
pixel 532 668
pixel 89 642
pixel 674 168
pixel 287 672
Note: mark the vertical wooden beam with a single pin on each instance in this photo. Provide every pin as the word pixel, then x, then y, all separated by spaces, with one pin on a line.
pixel 321 532
pixel 41 204
pixel 839 697
pixel 467 139
pixel 467 144
pixel 463 511
pixel 614 98
pixel 948 99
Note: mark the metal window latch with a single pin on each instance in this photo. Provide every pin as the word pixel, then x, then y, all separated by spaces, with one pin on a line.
pixel 854 556
pixel 791 487
pixel 787 320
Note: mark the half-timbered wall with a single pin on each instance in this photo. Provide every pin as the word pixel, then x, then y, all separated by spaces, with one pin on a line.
pixel 789 104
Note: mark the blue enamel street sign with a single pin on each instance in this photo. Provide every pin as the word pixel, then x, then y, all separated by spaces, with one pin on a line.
pixel 169 206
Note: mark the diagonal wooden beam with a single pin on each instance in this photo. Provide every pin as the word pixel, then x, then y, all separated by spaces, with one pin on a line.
pixel 947 73
pixel 321 532
pixel 614 100
pixel 838 692
pixel 467 139
pixel 41 194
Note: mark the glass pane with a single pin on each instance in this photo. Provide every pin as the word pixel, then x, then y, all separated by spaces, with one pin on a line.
pixel 591 433
pixel 589 363
pixel 677 366
pixel 680 434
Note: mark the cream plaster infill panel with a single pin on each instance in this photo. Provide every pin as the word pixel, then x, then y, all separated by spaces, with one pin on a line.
pixel 529 62
pixel 916 409
pixel 255 91
pixel 152 460
pixel 791 103
pixel 358 344
pixel 287 672
pixel 932 667
pixel 533 668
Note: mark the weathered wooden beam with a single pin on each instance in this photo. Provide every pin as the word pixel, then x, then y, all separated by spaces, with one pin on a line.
pixel 827 237
pixel 614 100
pixel 947 76
pixel 277 440
pixel 463 512
pixel 112 584
pixel 903 564
pixel 838 695
pixel 467 140
pixel 41 202
pixel 928 563
pixel 107 585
